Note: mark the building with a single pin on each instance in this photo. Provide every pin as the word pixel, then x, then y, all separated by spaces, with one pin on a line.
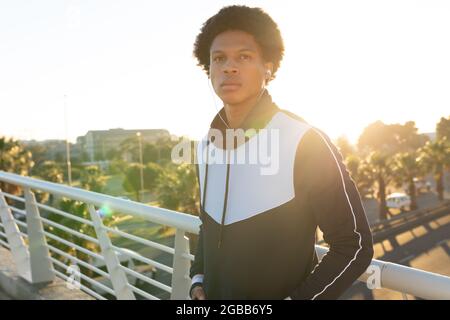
pixel 96 143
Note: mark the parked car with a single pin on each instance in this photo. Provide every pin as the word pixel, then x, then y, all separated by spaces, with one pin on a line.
pixel 398 200
pixel 422 185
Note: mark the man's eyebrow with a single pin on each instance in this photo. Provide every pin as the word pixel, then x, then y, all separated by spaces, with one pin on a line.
pixel 240 50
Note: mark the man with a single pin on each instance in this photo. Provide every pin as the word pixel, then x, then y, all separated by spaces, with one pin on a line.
pixel 258 228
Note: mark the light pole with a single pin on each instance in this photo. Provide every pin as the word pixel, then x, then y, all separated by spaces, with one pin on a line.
pixel 69 166
pixel 140 160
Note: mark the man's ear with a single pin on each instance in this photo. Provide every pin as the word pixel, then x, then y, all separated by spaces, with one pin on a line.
pixel 269 66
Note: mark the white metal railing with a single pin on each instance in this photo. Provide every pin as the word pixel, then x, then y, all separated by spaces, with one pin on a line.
pixel 37 263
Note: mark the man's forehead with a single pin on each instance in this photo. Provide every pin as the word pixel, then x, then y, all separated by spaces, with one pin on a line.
pixel 234 41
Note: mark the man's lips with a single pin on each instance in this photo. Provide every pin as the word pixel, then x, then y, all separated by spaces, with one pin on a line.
pixel 230 85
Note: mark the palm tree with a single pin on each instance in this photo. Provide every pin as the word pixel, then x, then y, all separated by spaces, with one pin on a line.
pixel 360 173
pixel 406 167
pixel 379 167
pixel 436 156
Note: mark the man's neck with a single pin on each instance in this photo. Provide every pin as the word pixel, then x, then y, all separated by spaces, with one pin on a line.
pixel 236 113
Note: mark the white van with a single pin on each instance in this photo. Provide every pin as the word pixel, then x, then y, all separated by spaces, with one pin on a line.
pixel 398 200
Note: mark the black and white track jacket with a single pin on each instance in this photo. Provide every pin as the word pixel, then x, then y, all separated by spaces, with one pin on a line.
pixel 258 228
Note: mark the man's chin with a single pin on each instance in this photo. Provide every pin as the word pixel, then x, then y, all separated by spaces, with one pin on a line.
pixel 232 98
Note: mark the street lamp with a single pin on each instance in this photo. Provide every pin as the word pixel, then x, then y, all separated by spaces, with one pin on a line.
pixel 69 165
pixel 140 159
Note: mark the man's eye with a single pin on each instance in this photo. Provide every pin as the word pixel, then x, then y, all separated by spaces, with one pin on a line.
pixel 217 59
pixel 245 57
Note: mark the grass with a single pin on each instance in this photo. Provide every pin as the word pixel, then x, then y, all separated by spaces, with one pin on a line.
pixel 113 185
pixel 142 228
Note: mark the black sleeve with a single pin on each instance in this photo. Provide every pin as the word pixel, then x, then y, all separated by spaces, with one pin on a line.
pixel 335 203
pixel 197 265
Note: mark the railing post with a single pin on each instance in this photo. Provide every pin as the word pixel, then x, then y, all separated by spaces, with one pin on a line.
pixel 181 264
pixel 40 264
pixel 19 250
pixel 119 279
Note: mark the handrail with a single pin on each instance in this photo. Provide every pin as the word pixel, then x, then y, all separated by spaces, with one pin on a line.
pixel 392 276
pixel 162 216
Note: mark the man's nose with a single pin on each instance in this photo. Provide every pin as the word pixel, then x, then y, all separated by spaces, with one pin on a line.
pixel 230 68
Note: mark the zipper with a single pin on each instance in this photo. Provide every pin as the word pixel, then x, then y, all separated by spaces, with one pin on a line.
pixel 205 182
pixel 225 200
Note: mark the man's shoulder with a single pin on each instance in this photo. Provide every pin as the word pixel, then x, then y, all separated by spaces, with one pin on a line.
pixel 293 116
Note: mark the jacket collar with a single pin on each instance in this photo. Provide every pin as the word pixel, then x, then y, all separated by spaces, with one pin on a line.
pixel 258 117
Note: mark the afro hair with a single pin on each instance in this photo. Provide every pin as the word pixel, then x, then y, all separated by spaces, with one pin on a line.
pixel 251 20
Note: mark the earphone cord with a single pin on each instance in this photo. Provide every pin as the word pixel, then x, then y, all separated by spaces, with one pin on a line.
pixel 217 110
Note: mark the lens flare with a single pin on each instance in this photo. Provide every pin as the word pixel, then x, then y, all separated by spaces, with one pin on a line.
pixel 104 211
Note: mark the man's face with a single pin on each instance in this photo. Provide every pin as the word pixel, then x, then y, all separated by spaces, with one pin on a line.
pixel 237 68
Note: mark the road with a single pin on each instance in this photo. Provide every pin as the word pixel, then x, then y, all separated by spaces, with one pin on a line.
pixel 425 247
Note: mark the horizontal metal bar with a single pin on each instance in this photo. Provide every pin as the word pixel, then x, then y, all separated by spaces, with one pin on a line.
pixel 69 230
pixel 141 240
pixel 419 283
pixel 162 216
pixel 3 243
pixel 394 277
pixel 70 244
pixel 21 223
pixel 82 287
pixel 65 214
pixel 188 256
pixel 81 262
pixel 147 279
pixel 84 277
pixel 143 293
pixel 145 260
pixel 21 211
pixel 8 195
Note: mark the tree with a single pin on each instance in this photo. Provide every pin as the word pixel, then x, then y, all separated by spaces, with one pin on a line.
pixel 379 167
pixel 443 128
pixel 91 178
pixel 48 171
pixel 178 190
pixel 79 209
pixel 391 138
pixel 15 159
pixel 381 142
pixel 406 167
pixel 132 182
pixel 152 174
pixel 361 174
pixel 436 156
pixel 345 147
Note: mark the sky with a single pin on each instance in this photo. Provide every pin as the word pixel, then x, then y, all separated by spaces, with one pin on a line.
pixel 129 64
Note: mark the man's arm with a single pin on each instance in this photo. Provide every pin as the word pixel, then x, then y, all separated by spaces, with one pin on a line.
pixel 334 201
